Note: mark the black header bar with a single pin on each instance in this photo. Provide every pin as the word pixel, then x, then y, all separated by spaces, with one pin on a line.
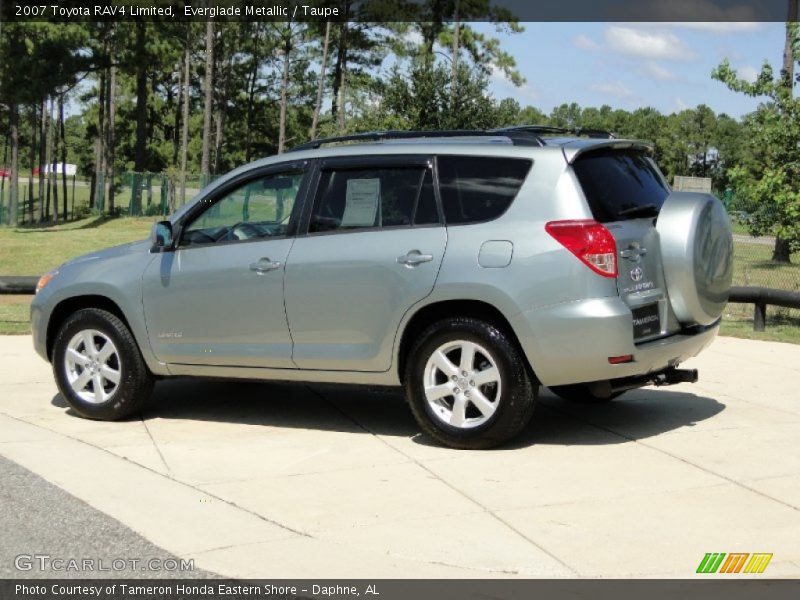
pixel 393 589
pixel 396 10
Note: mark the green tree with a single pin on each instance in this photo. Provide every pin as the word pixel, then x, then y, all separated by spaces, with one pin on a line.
pixel 421 98
pixel 568 116
pixel 697 129
pixel 729 150
pixel 771 181
pixel 40 61
pixel 357 49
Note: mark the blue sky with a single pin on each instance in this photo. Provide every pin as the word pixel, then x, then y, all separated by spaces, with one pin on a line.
pixel 630 65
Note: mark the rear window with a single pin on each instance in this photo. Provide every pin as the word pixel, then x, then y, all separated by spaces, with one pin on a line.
pixel 476 189
pixel 620 185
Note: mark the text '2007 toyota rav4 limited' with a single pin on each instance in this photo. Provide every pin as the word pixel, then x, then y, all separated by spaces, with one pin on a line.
pixel 468 267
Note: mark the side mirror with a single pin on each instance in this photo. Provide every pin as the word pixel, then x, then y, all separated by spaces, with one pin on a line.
pixel 161 236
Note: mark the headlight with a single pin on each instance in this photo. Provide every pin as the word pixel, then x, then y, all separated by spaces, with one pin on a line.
pixel 44 280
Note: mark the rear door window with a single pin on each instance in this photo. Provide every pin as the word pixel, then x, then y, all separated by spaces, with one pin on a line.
pixel 352 198
pixel 479 188
pixel 620 184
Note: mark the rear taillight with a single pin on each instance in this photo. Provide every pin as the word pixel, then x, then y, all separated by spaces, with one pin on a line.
pixel 590 241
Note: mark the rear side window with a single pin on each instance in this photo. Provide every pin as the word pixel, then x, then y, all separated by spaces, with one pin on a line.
pixel 620 185
pixel 476 189
pixel 352 199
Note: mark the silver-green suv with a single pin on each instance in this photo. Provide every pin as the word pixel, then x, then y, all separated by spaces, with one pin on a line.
pixel 468 267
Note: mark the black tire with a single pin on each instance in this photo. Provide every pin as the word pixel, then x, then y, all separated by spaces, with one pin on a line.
pixel 517 388
pixel 135 384
pixel 580 392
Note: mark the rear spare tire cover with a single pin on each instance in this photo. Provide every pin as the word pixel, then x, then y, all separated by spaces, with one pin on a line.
pixel 697 253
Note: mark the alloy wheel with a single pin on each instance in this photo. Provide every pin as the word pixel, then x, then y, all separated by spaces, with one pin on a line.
pixel 92 365
pixel 462 384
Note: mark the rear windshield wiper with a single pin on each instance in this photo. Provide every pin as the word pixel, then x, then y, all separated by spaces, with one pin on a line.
pixel 643 210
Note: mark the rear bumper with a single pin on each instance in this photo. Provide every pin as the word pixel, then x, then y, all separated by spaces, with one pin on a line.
pixel 571 342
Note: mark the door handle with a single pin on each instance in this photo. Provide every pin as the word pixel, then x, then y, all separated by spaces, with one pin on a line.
pixel 414 258
pixel 264 265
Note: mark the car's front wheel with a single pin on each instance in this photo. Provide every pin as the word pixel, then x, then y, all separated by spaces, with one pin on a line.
pixel 468 385
pixel 98 367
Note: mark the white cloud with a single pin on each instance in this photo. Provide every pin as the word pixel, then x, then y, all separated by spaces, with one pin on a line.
pixel 527 92
pixel 656 71
pixel 659 45
pixel 412 37
pixel 498 75
pixel 748 73
pixel 584 42
pixel 617 89
pixel 524 92
pixel 729 51
pixel 679 104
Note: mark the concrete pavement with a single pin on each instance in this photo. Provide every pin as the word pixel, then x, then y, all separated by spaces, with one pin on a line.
pixel 269 480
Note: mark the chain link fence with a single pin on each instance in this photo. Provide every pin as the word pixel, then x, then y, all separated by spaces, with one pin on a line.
pixel 132 194
pixel 753 263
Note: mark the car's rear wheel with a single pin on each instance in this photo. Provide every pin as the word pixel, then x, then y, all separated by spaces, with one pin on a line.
pixel 580 392
pixel 98 367
pixel 468 385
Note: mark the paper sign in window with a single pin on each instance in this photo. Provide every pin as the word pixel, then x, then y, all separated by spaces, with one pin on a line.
pixel 362 202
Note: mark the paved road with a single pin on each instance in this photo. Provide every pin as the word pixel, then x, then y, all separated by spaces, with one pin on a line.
pixel 278 480
pixel 42 524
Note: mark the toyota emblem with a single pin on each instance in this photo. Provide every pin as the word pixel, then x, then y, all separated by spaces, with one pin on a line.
pixel 637 274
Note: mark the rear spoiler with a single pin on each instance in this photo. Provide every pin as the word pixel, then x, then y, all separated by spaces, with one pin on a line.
pixel 572 150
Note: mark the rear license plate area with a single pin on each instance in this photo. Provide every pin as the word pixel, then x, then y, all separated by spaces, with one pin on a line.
pixel 646 321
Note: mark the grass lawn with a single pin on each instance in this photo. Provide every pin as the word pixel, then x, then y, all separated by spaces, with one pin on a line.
pixel 34 251
pixel 779 328
pixel 15 315
pixel 739 228
pixel 752 266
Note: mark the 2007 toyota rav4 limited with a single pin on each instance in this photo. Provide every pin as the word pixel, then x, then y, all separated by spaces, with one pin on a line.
pixel 469 267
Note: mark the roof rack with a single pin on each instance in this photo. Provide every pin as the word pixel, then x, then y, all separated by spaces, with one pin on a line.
pixel 546 130
pixel 519 137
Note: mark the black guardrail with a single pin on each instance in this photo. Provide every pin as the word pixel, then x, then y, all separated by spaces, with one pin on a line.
pixel 21 285
pixel 760 297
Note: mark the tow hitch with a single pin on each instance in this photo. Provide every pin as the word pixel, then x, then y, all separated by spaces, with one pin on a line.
pixel 671 376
